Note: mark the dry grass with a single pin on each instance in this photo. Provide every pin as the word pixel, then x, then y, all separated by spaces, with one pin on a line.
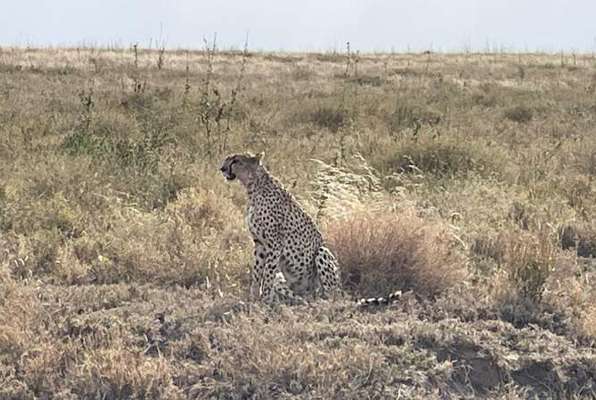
pixel 384 252
pixel 466 180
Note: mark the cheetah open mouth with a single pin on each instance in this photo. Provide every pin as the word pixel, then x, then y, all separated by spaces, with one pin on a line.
pixel 230 176
pixel 226 170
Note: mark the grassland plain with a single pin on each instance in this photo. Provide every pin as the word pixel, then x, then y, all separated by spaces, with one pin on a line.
pixel 465 180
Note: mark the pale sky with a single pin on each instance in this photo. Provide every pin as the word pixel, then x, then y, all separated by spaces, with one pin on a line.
pixel 301 25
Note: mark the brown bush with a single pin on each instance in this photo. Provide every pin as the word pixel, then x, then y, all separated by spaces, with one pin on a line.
pixel 519 114
pixel 380 253
pixel 443 157
pixel 330 118
pixel 581 237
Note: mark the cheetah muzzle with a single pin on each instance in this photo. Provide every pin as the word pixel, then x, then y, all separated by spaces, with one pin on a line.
pixel 226 170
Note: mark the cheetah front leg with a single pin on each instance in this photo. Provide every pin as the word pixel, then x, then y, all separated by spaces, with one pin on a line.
pixel 274 286
pixel 256 275
pixel 268 274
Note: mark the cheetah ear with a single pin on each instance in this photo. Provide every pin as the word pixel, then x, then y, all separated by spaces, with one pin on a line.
pixel 260 156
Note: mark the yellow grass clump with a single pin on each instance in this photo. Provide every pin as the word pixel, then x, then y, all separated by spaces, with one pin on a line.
pixel 383 252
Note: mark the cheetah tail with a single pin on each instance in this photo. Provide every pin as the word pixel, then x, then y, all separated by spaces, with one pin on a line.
pixel 377 301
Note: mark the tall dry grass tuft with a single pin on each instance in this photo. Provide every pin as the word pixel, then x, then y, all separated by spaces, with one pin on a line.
pixel 527 259
pixel 587 324
pixel 383 252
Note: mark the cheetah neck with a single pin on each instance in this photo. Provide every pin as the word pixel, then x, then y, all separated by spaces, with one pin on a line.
pixel 258 178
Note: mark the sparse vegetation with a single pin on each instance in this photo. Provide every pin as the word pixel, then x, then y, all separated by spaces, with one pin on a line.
pixel 466 181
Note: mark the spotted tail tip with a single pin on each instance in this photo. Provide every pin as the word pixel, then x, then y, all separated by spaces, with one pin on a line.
pixel 376 301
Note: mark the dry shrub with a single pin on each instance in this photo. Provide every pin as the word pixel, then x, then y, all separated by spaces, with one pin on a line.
pixel 534 281
pixel 411 115
pixel 570 291
pixel 327 114
pixel 69 269
pixel 486 246
pixel 42 368
pixel 368 80
pixel 36 253
pixel 586 158
pixel 19 335
pixel 302 73
pixel 379 253
pixel 443 157
pixel 574 296
pixel 526 262
pixel 588 322
pixel 330 118
pixel 41 226
pixel 55 213
pixel 582 237
pixel 340 191
pixel 484 98
pixel 529 260
pixel 519 114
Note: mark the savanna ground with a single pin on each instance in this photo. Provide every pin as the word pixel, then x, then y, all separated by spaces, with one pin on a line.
pixel 465 180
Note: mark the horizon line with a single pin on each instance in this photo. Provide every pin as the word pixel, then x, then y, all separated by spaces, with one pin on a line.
pixel 241 49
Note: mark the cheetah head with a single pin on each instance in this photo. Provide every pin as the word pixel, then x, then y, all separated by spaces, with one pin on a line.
pixel 241 166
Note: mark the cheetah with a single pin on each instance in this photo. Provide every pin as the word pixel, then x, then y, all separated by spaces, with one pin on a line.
pixel 291 260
